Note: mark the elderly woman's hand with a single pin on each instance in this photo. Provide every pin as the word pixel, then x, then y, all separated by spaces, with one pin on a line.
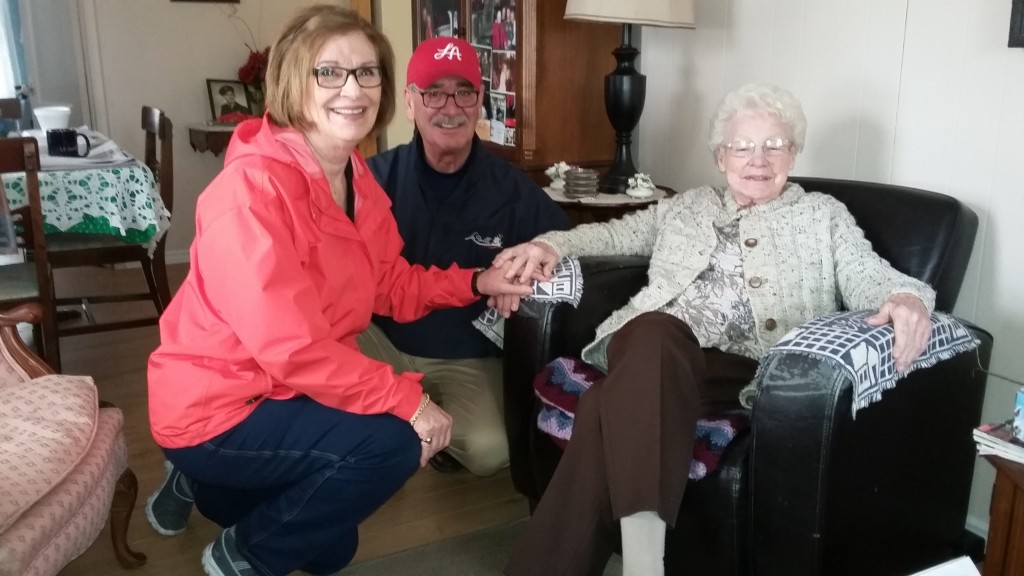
pixel 912 324
pixel 528 261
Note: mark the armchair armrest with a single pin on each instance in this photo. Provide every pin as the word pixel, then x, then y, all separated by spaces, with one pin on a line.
pixel 543 331
pixel 896 476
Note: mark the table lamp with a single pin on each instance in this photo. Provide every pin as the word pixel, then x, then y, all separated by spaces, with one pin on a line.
pixel 625 88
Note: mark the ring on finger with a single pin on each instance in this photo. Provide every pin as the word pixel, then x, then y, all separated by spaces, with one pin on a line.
pixel 426 440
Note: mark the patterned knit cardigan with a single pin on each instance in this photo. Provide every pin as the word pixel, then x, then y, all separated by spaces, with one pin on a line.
pixel 803 256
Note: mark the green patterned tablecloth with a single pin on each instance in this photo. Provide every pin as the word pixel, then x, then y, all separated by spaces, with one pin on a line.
pixel 118 200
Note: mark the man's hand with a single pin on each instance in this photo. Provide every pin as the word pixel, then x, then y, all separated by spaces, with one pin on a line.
pixel 912 326
pixel 495 282
pixel 505 305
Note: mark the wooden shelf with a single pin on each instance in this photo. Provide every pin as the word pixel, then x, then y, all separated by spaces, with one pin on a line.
pixel 213 138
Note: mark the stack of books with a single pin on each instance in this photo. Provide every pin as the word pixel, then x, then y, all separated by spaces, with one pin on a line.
pixel 1004 439
pixel 998 440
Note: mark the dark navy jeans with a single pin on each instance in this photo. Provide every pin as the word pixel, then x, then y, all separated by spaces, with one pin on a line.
pixel 296 478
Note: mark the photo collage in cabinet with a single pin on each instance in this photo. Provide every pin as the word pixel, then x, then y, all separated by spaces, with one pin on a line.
pixel 492 32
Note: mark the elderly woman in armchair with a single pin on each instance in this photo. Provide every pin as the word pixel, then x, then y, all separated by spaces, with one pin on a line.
pixel 732 269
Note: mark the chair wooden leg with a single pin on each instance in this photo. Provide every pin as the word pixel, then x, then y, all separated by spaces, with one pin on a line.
pixel 47 339
pixel 156 277
pixel 160 272
pixel 125 492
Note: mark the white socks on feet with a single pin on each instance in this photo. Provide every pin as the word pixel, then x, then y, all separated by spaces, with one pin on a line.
pixel 643 544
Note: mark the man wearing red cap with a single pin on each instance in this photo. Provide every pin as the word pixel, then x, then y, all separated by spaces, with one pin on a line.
pixel 455 203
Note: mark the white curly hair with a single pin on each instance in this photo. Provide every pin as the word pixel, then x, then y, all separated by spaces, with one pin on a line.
pixel 759 97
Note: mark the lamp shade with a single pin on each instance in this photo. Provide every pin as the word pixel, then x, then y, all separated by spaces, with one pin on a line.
pixel 670 13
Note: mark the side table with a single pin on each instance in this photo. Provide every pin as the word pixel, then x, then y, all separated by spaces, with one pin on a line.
pixel 604 207
pixel 212 137
pixel 1004 552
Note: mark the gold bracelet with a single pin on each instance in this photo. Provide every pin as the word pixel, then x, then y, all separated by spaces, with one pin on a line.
pixel 423 406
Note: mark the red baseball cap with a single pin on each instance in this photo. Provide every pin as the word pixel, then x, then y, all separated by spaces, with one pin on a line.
pixel 440 57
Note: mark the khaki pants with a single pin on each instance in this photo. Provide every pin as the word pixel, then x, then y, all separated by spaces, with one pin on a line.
pixel 469 389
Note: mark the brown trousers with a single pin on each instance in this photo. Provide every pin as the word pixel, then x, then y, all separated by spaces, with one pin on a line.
pixel 631 446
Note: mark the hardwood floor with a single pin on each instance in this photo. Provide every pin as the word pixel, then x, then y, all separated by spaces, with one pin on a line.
pixel 431 507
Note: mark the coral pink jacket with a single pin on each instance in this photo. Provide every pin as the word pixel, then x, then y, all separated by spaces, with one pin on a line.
pixel 279 285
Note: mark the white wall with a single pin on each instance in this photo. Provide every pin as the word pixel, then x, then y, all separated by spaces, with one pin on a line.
pixel 921 93
pixel 395 19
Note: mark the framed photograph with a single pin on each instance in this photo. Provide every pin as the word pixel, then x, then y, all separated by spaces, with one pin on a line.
pixel 484 56
pixel 433 18
pixel 228 100
pixel 1016 25
pixel 503 72
pixel 481 17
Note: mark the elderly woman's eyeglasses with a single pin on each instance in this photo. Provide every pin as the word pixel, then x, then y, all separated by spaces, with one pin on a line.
pixel 337 77
pixel 772 147
pixel 464 97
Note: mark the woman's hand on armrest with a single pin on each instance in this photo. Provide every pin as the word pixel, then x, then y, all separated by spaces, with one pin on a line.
pixel 911 324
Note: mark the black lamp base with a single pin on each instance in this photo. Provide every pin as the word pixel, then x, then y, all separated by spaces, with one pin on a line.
pixel 616 179
pixel 625 90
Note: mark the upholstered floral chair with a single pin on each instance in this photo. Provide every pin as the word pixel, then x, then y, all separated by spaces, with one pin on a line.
pixel 63 462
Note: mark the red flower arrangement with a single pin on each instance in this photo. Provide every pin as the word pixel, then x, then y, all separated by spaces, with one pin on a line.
pixel 254 71
pixel 253 74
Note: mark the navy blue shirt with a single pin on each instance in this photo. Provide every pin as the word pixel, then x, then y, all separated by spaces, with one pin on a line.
pixel 461 219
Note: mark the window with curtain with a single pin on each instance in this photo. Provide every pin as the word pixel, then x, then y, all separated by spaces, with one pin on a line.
pixel 11 53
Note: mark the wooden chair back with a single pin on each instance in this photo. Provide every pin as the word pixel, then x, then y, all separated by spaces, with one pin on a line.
pixel 159 154
pixel 17 362
pixel 29 281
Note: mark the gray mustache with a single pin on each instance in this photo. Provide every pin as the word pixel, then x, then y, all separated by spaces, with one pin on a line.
pixel 448 121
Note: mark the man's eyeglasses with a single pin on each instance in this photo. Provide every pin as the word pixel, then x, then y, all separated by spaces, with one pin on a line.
pixel 464 97
pixel 772 148
pixel 337 77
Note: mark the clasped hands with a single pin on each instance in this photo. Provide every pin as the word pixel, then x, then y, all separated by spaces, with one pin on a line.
pixel 512 273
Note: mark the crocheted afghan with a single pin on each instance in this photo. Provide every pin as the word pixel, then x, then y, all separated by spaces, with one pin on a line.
pixel 560 384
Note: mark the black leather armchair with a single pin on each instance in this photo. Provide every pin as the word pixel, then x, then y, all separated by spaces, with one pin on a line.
pixel 808 490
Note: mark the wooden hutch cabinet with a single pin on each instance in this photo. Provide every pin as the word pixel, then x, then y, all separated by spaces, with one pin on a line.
pixel 543 78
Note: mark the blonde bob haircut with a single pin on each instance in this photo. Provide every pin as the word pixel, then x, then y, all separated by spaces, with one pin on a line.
pixel 293 55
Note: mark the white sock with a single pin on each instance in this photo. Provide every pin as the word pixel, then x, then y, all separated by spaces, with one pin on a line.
pixel 643 544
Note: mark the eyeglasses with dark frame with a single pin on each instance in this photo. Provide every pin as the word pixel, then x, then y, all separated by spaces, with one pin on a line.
pixel 337 77
pixel 437 99
pixel 772 148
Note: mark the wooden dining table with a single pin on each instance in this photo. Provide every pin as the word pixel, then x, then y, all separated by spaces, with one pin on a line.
pixel 115 196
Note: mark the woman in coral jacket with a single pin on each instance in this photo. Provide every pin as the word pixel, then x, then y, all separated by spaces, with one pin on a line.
pixel 273 422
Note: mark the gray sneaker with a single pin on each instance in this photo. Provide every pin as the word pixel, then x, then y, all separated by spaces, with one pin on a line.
pixel 222 558
pixel 169 507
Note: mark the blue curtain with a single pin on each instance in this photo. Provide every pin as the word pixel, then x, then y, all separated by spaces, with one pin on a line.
pixel 12 55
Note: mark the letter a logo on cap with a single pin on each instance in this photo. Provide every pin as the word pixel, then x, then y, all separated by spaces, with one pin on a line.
pixel 450 51
pixel 442 57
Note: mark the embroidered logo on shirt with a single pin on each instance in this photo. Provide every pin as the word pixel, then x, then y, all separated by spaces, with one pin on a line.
pixel 451 51
pixel 484 241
